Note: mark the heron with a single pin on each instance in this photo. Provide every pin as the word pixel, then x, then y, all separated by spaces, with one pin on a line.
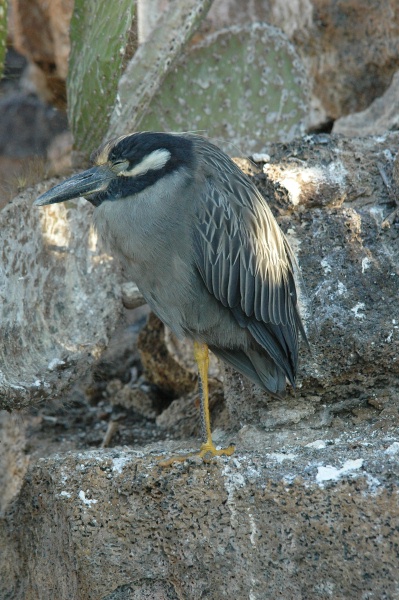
pixel 200 241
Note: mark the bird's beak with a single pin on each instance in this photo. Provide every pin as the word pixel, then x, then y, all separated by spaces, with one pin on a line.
pixel 84 184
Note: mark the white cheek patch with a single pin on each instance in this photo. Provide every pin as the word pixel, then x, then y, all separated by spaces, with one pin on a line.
pixel 152 162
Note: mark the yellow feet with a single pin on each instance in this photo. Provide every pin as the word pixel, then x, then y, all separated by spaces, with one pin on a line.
pixel 210 448
pixel 206 448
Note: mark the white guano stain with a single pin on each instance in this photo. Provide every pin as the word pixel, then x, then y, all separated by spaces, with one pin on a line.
pixel 366 262
pixel 280 457
pixel 393 449
pixel 330 473
pixel 326 266
pixel 260 157
pixel 232 482
pixel 53 364
pixel 297 179
pixel 86 501
pixel 317 444
pixel 119 463
pixel 253 528
pixel 356 310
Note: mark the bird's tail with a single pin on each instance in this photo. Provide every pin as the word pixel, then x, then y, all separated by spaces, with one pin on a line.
pixel 256 366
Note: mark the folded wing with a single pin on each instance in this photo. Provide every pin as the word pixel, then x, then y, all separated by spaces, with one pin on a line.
pixel 246 263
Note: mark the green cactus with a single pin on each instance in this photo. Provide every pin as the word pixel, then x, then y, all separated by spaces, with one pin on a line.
pixel 3 34
pixel 99 44
pixel 243 86
pixel 154 58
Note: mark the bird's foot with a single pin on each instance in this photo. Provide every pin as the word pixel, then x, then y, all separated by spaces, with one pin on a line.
pixel 208 448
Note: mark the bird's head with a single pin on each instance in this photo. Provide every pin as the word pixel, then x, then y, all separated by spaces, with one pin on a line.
pixel 125 166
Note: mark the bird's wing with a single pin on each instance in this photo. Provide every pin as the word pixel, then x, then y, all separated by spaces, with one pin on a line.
pixel 246 263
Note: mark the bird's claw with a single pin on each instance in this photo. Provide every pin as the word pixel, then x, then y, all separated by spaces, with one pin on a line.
pixel 206 448
pixel 210 448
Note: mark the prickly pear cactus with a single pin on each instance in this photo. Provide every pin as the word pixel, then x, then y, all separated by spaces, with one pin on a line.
pixel 146 71
pixel 100 40
pixel 243 86
pixel 3 33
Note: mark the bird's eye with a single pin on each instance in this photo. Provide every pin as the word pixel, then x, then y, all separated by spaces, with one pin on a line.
pixel 120 165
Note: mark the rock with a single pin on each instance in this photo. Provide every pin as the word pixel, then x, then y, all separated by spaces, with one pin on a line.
pixel 59 154
pixel 14 460
pixel 169 362
pixel 121 355
pixel 60 298
pixel 131 397
pixel 14 66
pixel 181 419
pixel 312 522
pixel 382 115
pixel 131 295
pixel 41 34
pixel 28 128
pixel 160 365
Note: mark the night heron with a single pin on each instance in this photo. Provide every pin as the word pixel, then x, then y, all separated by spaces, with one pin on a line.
pixel 201 243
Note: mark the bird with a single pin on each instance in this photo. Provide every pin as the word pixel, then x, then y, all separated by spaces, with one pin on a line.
pixel 199 239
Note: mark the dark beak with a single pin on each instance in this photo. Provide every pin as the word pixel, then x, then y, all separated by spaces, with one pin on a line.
pixel 84 184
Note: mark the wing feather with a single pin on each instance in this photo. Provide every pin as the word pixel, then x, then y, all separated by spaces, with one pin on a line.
pixel 246 263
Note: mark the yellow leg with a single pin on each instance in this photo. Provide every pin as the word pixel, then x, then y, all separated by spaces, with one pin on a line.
pixel 201 355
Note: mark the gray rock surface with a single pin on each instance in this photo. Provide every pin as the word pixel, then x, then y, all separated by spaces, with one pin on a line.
pixel 59 298
pixel 314 522
pixel 382 115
